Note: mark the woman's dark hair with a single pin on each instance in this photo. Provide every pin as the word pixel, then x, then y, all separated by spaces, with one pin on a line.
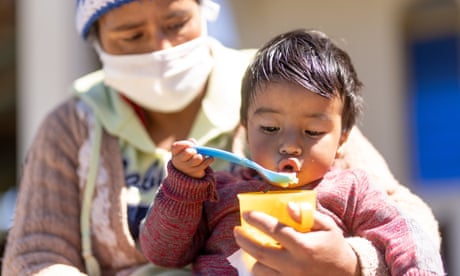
pixel 310 59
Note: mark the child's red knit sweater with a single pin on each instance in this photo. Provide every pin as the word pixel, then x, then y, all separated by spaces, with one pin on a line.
pixel 192 221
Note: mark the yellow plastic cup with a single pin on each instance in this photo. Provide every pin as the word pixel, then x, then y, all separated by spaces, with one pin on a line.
pixel 274 203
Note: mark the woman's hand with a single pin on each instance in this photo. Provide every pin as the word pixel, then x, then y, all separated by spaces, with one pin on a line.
pixel 322 251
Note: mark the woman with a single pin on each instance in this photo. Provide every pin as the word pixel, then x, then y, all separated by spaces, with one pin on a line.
pixel 98 158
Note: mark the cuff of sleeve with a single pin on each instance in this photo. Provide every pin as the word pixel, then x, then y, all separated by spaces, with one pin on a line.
pixel 370 259
pixel 183 188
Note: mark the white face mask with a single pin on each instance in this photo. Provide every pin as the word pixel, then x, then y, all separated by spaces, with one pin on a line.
pixel 164 81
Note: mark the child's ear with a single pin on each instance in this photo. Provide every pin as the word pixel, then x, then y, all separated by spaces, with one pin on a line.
pixel 340 148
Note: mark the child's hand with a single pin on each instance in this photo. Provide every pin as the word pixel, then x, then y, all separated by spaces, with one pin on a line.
pixel 186 159
pixel 323 251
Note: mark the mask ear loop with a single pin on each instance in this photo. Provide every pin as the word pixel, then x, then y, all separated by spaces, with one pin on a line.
pixel 93 40
pixel 210 10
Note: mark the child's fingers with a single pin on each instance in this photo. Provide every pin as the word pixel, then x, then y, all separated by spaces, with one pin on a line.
pixel 179 146
pixel 193 140
pixel 201 163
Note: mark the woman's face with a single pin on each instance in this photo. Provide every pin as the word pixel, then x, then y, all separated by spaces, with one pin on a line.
pixel 149 25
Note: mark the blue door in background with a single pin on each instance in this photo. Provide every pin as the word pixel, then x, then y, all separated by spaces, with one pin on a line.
pixel 434 110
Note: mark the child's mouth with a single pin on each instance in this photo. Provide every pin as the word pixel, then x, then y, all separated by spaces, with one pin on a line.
pixel 289 165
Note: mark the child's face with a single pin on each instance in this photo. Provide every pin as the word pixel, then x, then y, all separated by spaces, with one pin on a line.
pixel 291 129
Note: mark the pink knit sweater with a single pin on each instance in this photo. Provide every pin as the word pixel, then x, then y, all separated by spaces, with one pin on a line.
pixel 181 229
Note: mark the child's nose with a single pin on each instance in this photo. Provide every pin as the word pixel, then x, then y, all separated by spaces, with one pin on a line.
pixel 290 149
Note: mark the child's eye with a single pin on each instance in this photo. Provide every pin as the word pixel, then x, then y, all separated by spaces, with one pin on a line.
pixel 269 129
pixel 313 133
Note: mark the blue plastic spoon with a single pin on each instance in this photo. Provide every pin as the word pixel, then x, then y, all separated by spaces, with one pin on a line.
pixel 283 179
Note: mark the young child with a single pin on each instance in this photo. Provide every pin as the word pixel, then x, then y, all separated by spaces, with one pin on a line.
pixel 300 99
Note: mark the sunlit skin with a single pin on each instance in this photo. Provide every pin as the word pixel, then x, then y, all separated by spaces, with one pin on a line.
pixel 291 129
pixel 146 26
pixel 151 25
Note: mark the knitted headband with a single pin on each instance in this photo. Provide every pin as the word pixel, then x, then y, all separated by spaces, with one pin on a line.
pixel 89 11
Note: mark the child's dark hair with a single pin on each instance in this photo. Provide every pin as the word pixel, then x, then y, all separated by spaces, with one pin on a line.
pixel 310 59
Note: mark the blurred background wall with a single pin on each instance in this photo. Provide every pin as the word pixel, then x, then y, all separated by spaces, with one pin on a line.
pixel 8 122
pixel 405 52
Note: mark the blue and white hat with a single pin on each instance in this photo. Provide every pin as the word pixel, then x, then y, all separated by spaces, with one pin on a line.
pixel 89 11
